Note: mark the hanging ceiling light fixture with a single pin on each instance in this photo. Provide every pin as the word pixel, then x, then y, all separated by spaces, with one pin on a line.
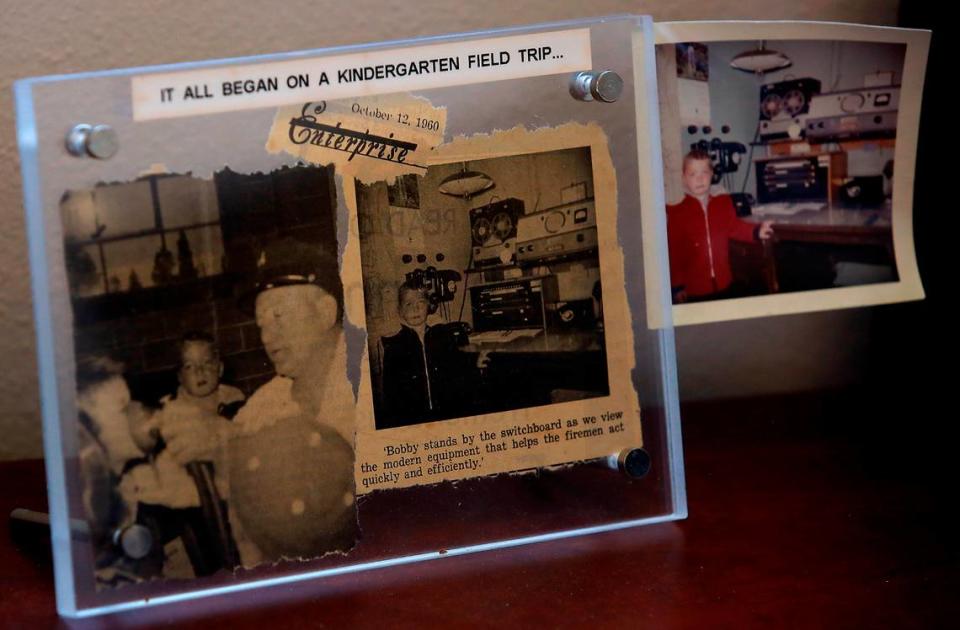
pixel 760 60
pixel 466 184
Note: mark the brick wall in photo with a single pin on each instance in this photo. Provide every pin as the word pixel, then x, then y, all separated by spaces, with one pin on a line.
pixel 142 328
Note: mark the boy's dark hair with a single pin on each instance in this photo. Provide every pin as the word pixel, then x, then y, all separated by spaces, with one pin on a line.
pixel 92 371
pixel 697 155
pixel 407 287
pixel 196 336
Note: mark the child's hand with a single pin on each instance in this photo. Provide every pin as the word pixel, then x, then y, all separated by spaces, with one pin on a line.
pixel 765 231
pixel 483 360
pixel 191 439
pixel 191 433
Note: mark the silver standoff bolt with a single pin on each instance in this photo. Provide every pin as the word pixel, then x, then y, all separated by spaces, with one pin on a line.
pixel 605 86
pixel 99 141
pixel 135 541
pixel 633 462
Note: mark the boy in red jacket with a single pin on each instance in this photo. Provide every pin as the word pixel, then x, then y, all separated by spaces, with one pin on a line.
pixel 699 230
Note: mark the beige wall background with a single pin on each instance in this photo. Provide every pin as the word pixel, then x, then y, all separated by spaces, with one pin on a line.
pixel 721 360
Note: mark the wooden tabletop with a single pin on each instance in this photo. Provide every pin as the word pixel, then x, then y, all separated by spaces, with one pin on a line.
pixel 801 515
pixel 831 217
pixel 552 342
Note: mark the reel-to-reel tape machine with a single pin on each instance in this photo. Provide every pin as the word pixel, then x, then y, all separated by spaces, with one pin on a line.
pixel 493 230
pixel 784 107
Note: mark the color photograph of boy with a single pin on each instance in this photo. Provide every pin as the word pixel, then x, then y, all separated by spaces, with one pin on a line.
pixel 779 171
pixel 699 230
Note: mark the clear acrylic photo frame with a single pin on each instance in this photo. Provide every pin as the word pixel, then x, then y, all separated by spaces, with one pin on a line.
pixel 405 525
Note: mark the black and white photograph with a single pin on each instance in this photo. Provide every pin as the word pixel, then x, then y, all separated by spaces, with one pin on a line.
pixel 216 421
pixel 487 298
pixel 779 170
